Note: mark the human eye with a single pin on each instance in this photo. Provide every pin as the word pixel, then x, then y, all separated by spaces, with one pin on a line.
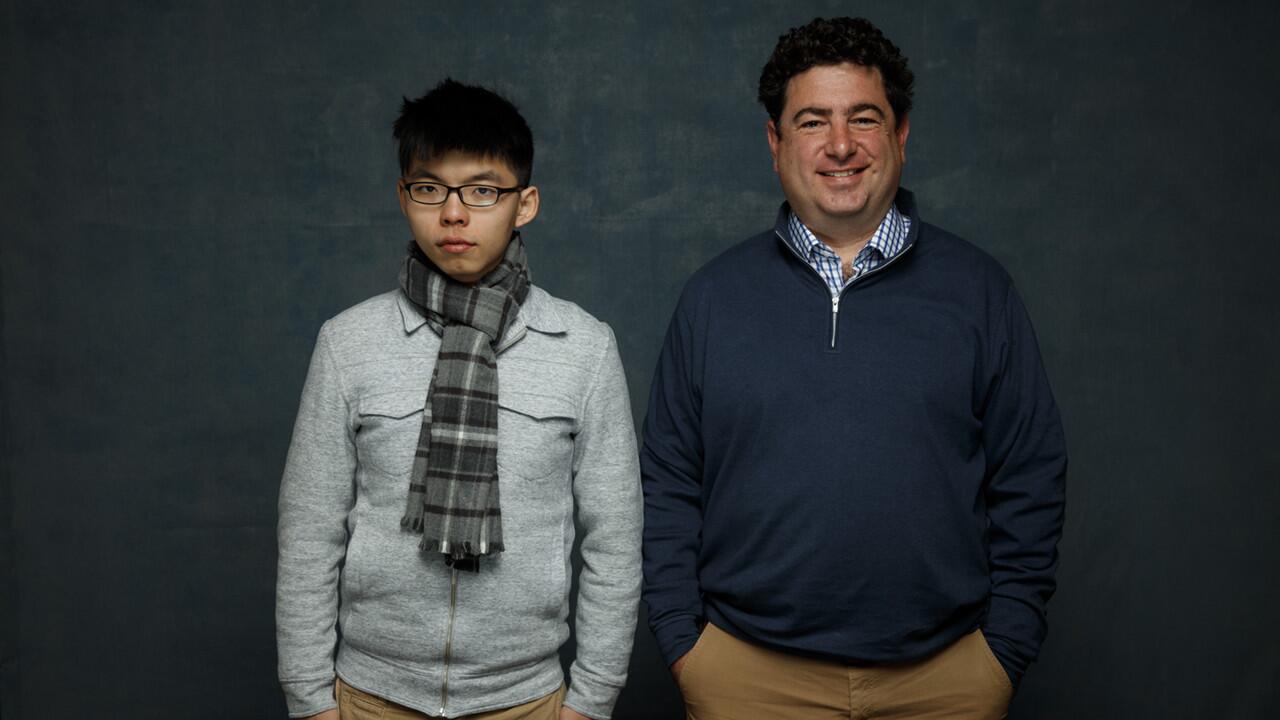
pixel 426 191
pixel 864 122
pixel 811 124
pixel 481 194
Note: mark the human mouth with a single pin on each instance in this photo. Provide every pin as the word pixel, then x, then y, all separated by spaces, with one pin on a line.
pixel 455 245
pixel 841 173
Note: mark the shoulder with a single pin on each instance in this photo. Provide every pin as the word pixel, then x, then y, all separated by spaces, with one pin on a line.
pixel 741 257
pixel 947 257
pixel 955 249
pixel 952 259
pixel 547 314
pixel 377 322
pixel 378 308
pixel 563 350
pixel 738 269
pixel 558 311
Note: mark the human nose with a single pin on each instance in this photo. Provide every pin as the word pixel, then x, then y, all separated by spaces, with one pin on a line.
pixel 453 212
pixel 840 142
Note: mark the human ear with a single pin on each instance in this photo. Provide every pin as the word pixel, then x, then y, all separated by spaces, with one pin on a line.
pixel 403 197
pixel 771 134
pixel 529 202
pixel 901 132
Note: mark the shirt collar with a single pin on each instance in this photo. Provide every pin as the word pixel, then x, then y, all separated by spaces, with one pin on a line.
pixel 888 239
pixel 537 313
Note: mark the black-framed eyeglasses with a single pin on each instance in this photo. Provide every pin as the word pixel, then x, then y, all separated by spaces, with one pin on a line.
pixel 434 193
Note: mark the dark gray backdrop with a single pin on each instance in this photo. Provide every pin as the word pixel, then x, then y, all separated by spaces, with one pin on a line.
pixel 190 189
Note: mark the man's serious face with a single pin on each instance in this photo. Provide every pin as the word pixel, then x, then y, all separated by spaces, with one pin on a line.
pixel 466 243
pixel 838 150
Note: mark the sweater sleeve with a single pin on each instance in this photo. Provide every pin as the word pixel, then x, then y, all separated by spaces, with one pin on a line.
pixel 606 490
pixel 1026 492
pixel 316 494
pixel 671 463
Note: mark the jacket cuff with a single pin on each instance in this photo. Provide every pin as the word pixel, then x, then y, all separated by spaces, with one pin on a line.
pixel 308 697
pixel 593 699
pixel 677 638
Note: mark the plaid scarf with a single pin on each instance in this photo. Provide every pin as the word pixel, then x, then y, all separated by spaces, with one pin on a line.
pixel 453 492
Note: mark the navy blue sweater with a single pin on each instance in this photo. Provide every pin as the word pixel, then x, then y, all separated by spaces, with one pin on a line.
pixel 864 495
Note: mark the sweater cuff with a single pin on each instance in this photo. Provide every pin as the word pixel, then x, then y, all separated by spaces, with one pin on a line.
pixel 1014 630
pixel 677 638
pixel 308 697
pixel 593 699
pixel 1003 654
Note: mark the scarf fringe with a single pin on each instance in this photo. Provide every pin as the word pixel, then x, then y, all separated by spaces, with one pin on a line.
pixel 460 551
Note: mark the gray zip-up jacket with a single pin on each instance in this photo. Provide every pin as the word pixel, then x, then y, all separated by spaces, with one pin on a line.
pixel 357 597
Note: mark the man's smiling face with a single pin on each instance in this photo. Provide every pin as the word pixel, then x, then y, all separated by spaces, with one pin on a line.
pixel 838 149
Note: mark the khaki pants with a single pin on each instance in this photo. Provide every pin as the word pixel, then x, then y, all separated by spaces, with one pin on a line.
pixel 356 704
pixel 724 678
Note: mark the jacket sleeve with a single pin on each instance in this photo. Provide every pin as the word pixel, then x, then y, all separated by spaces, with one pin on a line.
pixel 606 491
pixel 671 464
pixel 316 494
pixel 1026 491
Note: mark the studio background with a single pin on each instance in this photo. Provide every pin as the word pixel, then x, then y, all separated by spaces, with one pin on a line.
pixel 191 188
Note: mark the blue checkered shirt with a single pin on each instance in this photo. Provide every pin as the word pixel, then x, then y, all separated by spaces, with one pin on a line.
pixel 888 240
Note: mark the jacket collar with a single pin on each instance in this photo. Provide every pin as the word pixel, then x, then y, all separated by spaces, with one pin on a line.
pixel 537 313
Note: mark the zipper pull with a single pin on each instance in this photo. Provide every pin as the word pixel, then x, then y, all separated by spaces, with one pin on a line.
pixel 835 314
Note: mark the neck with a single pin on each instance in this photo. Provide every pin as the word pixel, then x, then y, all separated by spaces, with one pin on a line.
pixel 845 241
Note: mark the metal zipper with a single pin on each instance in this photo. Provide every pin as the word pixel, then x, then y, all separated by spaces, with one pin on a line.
pixel 835 317
pixel 835 298
pixel 448 641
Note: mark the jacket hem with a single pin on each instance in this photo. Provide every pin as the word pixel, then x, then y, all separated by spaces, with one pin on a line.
pixel 422 691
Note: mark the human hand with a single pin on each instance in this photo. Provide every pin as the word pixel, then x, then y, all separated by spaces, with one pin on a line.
pixel 571 714
pixel 326 715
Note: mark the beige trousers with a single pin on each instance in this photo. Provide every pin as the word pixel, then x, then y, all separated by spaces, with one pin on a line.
pixel 356 704
pixel 724 678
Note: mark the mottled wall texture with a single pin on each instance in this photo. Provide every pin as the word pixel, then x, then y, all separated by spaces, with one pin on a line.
pixel 191 188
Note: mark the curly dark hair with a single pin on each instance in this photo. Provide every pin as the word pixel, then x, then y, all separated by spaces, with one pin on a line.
pixel 831 42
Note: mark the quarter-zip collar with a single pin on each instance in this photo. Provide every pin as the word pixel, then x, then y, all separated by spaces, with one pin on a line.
pixel 904 202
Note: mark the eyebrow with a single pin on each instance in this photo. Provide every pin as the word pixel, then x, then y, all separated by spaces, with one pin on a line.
pixel 826 112
pixel 488 175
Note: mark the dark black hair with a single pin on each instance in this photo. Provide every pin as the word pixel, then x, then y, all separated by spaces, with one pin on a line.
pixel 464 118
pixel 831 42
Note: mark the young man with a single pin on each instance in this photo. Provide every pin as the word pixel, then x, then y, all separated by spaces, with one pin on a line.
pixel 448 431
pixel 853 465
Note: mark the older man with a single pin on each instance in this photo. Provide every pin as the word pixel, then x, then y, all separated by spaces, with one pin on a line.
pixel 853 464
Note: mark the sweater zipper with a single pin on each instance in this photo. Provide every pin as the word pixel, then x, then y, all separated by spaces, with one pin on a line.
pixel 835 317
pixel 448 641
pixel 835 298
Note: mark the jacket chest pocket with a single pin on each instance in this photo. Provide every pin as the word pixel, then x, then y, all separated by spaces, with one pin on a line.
pixel 535 434
pixel 388 433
